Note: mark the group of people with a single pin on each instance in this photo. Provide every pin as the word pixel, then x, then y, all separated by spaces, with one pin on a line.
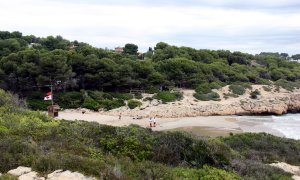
pixel 152 121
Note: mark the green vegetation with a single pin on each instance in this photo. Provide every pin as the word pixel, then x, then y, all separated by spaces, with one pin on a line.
pixel 166 96
pixel 134 103
pixel 228 95
pixel 28 63
pixel 288 85
pixel 208 96
pixel 254 94
pixel 32 139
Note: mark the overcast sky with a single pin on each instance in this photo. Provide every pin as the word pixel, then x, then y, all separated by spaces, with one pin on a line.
pixel 250 25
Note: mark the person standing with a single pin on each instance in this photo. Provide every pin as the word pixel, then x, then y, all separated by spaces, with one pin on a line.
pixel 120 115
pixel 150 122
pixel 154 122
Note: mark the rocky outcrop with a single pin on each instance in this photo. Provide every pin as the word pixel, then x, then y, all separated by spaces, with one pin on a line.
pixel 25 173
pixel 295 170
pixel 268 103
pixel 19 171
pixel 61 175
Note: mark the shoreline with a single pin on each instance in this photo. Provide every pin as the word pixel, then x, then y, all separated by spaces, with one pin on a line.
pixel 202 126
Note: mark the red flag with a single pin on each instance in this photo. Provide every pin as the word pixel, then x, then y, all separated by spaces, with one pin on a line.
pixel 48 96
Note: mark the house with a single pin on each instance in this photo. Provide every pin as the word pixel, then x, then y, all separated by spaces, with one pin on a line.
pixel 119 50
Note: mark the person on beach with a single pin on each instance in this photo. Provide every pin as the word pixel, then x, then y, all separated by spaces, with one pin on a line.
pixel 120 116
pixel 150 121
pixel 154 122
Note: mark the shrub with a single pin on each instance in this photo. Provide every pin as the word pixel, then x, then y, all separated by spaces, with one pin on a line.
pixel 69 99
pixel 111 104
pixel 133 104
pixel 216 85
pixel 206 172
pixel 203 88
pixel 288 85
pixel 138 96
pixel 98 95
pixel 152 90
pixel 227 95
pixel 148 99
pixel 167 96
pixel 237 89
pixel 254 94
pixel 207 97
pixel 122 96
pixel 8 177
pixel 38 104
pixel 90 103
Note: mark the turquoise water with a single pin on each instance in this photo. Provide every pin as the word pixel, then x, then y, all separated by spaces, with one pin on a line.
pixel 288 125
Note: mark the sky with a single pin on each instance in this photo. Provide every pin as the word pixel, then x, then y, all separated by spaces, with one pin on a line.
pixel 251 26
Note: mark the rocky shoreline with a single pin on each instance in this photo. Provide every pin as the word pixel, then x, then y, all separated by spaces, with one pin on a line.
pixel 268 103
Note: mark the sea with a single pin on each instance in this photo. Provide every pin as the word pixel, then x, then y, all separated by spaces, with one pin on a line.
pixel 288 124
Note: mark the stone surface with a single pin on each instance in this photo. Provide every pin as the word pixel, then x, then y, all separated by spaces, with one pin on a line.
pixel 67 175
pixel 31 176
pixel 19 171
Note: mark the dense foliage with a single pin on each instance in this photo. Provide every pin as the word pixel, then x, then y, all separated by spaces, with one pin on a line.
pixel 28 63
pixel 32 139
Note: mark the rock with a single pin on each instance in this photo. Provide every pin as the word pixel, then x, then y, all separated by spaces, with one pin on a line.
pixel 67 175
pixel 155 102
pixel 287 167
pixel 19 171
pixel 0 174
pixel 31 176
pixel 295 177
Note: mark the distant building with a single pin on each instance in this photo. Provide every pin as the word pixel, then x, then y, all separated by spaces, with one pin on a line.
pixel 119 50
pixel 253 63
pixel 31 45
pixel 73 46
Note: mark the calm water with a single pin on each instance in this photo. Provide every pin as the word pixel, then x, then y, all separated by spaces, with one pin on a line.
pixel 288 125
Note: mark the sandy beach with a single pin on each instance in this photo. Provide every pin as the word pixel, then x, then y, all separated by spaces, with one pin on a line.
pixel 202 126
pixel 211 118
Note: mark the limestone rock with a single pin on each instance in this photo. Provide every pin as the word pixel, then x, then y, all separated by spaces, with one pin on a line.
pixel 67 175
pixel 19 171
pixel 31 176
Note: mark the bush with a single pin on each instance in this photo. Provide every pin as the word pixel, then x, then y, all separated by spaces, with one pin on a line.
pixel 69 99
pixel 203 88
pixel 98 95
pixel 205 173
pixel 237 89
pixel 148 99
pixel 216 85
pixel 122 96
pixel 138 96
pixel 152 90
pixel 133 104
pixel 288 85
pixel 254 94
pixel 227 95
pixel 207 97
pixel 36 104
pixel 90 103
pixel 111 104
pixel 167 96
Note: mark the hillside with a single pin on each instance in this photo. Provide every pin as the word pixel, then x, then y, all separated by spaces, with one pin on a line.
pixel 29 64
pixel 34 140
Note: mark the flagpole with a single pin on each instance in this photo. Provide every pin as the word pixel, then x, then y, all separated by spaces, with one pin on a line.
pixel 51 93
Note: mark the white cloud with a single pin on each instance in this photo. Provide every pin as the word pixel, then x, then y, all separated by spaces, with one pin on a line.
pixel 105 25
